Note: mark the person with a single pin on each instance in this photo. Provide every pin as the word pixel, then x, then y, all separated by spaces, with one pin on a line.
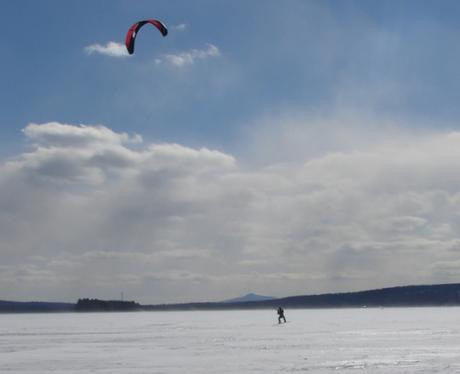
pixel 281 315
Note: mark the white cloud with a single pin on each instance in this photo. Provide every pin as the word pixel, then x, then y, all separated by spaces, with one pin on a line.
pixel 86 211
pixel 189 57
pixel 111 49
pixel 55 133
pixel 180 27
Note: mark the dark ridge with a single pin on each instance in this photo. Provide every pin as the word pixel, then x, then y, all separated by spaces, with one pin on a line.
pixel 34 307
pixel 404 296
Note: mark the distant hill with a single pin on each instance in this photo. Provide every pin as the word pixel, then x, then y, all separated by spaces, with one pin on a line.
pixel 430 295
pixel 249 297
pixel 83 305
pixel 34 307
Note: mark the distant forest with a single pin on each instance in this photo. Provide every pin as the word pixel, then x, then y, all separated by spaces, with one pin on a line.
pixel 404 296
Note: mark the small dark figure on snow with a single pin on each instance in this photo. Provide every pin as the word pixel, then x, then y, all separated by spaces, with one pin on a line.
pixel 281 315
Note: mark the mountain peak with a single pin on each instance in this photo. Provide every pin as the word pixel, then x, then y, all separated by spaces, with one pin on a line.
pixel 248 298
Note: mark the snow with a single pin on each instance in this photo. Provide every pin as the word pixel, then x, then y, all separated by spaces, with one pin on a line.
pixel 390 340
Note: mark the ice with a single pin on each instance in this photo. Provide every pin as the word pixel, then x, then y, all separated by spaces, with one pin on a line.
pixel 390 340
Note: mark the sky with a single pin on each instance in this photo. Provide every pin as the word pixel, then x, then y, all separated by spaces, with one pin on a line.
pixel 282 148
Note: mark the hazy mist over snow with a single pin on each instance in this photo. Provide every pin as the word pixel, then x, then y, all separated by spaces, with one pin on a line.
pixel 87 211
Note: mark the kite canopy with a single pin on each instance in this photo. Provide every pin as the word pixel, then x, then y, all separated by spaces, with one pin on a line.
pixel 134 29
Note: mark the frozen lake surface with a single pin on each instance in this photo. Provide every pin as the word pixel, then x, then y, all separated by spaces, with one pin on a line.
pixel 391 340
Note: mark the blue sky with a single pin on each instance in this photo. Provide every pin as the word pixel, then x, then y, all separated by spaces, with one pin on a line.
pixel 396 59
pixel 262 146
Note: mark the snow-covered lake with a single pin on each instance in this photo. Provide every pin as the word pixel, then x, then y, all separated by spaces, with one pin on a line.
pixel 390 340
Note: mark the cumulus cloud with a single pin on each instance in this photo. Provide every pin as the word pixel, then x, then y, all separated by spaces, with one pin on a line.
pixel 111 49
pixel 189 57
pixel 87 212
